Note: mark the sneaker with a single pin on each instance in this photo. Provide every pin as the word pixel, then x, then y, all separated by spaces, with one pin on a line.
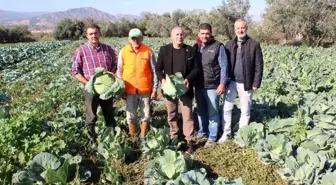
pixel 209 143
pixel 190 148
pixel 200 137
pixel 223 139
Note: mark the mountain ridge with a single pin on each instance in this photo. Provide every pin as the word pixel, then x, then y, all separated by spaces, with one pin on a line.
pixel 50 19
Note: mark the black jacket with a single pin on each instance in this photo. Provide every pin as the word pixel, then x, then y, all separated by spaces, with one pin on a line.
pixel 164 65
pixel 252 59
pixel 210 71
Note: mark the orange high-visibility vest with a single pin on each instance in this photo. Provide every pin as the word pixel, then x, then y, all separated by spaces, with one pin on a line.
pixel 137 72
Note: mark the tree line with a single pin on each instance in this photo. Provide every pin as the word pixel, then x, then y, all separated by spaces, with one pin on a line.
pixel 312 23
pixel 15 34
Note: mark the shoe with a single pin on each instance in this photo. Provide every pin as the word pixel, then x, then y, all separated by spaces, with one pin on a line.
pixel 223 139
pixel 201 137
pixel 209 143
pixel 190 148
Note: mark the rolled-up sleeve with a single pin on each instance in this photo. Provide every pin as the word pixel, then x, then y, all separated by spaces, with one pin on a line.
pixel 120 65
pixel 223 64
pixel 77 63
pixel 155 78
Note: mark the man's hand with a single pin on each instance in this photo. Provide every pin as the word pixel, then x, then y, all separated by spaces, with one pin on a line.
pixel 153 95
pixel 220 89
pixel 254 88
pixel 163 81
pixel 186 82
pixel 114 75
pixel 81 78
pixel 124 96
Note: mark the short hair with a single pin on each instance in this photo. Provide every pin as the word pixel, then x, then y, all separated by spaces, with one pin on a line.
pixel 241 20
pixel 91 25
pixel 175 28
pixel 205 26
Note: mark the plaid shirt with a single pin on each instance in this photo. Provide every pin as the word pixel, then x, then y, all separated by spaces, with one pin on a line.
pixel 86 59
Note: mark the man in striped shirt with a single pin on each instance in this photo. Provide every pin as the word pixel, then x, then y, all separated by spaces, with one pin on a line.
pixel 86 58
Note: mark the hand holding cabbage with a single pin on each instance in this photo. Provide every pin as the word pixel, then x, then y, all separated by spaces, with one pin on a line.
pixel 175 86
pixel 105 84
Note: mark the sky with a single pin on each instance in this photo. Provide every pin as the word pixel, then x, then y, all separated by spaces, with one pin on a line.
pixel 134 7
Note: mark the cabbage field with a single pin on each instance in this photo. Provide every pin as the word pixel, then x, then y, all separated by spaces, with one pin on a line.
pixel 291 138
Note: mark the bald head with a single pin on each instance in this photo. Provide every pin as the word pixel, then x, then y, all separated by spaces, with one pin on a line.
pixel 177 37
pixel 176 29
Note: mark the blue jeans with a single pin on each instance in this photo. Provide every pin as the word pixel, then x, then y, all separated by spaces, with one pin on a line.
pixel 208 112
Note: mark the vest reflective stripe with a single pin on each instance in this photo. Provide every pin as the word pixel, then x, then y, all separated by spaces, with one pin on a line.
pixel 137 73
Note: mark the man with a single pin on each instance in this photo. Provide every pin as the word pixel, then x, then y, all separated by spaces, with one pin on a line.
pixel 179 57
pixel 84 61
pixel 136 66
pixel 211 84
pixel 246 70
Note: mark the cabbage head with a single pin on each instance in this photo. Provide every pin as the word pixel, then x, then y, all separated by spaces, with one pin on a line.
pixel 174 86
pixel 105 84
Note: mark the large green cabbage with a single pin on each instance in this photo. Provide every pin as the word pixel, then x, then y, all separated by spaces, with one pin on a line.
pixel 105 84
pixel 174 86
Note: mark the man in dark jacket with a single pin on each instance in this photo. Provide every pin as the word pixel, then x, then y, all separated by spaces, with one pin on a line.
pixel 179 57
pixel 211 82
pixel 246 69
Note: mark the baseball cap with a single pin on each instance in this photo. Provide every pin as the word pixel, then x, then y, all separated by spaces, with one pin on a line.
pixel 135 32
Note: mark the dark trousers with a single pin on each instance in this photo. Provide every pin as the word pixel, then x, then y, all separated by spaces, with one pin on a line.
pixel 91 105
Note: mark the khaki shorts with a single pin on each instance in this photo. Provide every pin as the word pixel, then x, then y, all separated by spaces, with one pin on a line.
pixel 133 101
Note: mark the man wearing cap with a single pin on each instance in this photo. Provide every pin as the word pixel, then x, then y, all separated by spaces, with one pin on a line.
pixel 136 66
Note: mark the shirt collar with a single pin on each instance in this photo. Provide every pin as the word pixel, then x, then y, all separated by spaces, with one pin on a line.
pixel 208 43
pixel 91 47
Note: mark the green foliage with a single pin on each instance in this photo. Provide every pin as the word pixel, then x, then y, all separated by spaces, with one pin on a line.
pixel 234 164
pixel 296 103
pixel 174 85
pixel 68 29
pixel 105 84
pixel 9 56
pixel 311 21
pixel 15 34
pixel 329 178
pixel 60 175
pixel 274 149
pixel 156 141
pixel 198 177
pixel 249 134
pixel 112 145
pixel 164 168
pixel 47 168
pixel 111 176
pixel 191 177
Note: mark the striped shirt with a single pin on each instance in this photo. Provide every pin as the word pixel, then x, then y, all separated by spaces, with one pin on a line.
pixel 86 59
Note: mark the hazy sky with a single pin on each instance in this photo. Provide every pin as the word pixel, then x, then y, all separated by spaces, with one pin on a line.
pixel 122 6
